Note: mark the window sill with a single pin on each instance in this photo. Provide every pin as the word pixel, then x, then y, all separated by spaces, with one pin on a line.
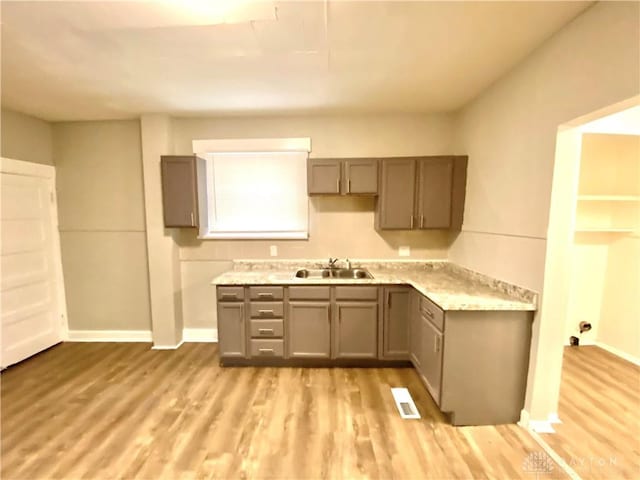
pixel 254 236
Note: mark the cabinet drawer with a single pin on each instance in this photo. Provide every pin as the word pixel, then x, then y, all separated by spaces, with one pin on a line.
pixel 266 293
pixel 309 293
pixel 266 309
pixel 267 328
pixel 267 348
pixel 356 293
pixel 230 294
pixel 432 312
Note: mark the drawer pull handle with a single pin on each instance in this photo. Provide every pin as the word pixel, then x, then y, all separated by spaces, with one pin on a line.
pixel 436 346
pixel 265 312
pixel 266 330
pixel 229 295
pixel 265 295
pixel 429 313
pixel 265 351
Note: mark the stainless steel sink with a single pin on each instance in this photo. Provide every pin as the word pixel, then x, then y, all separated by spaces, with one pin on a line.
pixel 346 273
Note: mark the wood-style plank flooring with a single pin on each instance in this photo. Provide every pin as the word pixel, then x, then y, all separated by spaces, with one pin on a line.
pixel 125 411
pixel 599 436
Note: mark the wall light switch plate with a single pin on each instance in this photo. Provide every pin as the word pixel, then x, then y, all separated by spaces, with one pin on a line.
pixel 404 251
pixel 273 250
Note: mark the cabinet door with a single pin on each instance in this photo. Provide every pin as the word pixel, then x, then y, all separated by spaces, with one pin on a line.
pixel 435 177
pixel 397 186
pixel 395 332
pixel 323 176
pixel 431 359
pixel 355 330
pixel 415 330
pixel 309 330
pixel 179 191
pixel 361 176
pixel 231 329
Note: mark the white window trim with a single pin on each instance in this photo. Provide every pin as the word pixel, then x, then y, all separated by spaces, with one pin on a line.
pixel 203 147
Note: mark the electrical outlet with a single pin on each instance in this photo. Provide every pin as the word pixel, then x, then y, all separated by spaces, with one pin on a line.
pixel 273 250
pixel 404 251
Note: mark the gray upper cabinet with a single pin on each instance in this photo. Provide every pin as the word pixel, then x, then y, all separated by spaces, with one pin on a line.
pixel 434 192
pixel 352 176
pixel 180 190
pixel 323 176
pixel 396 196
pixel 309 330
pixel 397 303
pixel 361 176
pixel 355 330
pixel 421 193
pixel 231 329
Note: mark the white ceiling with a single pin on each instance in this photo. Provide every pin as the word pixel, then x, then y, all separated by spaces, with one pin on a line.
pixel 97 60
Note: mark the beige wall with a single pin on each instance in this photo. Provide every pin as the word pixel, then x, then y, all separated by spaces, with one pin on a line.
pixel 620 318
pixel 102 230
pixel 338 226
pixel 509 133
pixel 26 138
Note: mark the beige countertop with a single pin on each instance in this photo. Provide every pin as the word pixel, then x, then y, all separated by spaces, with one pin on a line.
pixel 450 286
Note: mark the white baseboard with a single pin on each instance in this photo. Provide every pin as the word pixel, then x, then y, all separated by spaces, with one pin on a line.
pixel 619 353
pixel 167 347
pixel 204 335
pixel 109 336
pixel 539 426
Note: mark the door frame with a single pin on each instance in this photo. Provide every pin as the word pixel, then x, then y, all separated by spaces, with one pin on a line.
pixel 47 172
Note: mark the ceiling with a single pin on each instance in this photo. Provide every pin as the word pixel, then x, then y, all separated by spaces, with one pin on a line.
pixel 99 60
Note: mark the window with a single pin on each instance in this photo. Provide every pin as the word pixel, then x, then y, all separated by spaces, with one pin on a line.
pixel 254 194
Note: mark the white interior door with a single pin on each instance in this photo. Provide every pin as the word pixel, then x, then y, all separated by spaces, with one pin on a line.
pixel 31 289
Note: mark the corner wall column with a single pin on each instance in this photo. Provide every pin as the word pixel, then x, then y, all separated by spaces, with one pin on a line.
pixel 162 250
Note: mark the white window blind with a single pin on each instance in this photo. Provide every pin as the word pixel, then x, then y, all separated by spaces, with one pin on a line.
pixel 256 195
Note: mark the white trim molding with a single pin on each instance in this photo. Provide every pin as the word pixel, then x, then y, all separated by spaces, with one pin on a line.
pixel 301 144
pixel 539 426
pixel 202 335
pixel 110 336
pixel 167 347
pixel 619 353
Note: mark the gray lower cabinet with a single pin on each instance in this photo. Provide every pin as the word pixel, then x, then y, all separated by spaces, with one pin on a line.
pixel 415 330
pixel 395 335
pixel 355 330
pixel 431 358
pixel 309 330
pixel 231 329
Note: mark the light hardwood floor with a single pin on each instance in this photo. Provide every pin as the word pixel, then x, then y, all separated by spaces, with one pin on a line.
pixel 125 411
pixel 599 436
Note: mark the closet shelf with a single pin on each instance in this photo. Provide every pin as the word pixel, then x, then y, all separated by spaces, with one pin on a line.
pixel 609 198
pixel 604 230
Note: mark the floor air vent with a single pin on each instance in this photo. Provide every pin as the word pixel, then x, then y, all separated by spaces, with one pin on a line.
pixel 404 403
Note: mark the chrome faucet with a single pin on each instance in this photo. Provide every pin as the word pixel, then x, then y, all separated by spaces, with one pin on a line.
pixel 348 262
pixel 332 262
